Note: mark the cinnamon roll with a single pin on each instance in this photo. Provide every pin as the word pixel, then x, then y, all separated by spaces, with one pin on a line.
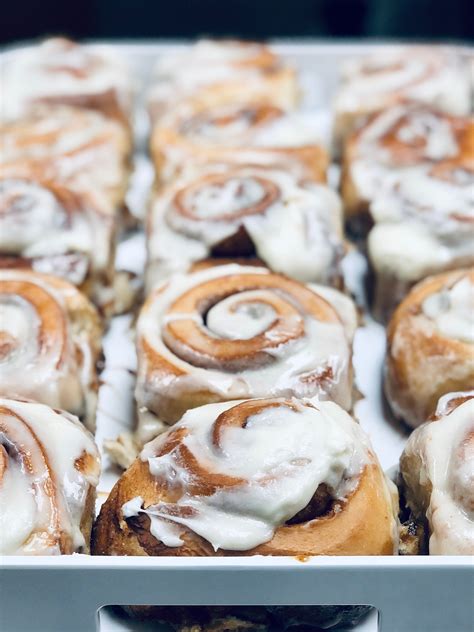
pixel 248 133
pixel 78 147
pixel 406 137
pixel 233 331
pixel 53 229
pixel 294 227
pixel 49 343
pixel 424 224
pixel 437 475
pixel 430 345
pixel 60 71
pixel 432 75
pixel 49 469
pixel 215 72
pixel 256 477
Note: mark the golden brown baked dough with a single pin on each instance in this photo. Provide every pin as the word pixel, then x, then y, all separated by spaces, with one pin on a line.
pixel 49 469
pixel 237 133
pixel 437 470
pixel 430 348
pixel 192 493
pixel 228 332
pixel 50 343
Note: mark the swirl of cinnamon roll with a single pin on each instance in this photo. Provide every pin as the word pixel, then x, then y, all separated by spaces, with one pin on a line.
pixel 49 342
pixel 265 476
pixel 60 71
pixel 49 469
pixel 406 137
pixel 294 227
pixel 252 133
pixel 430 345
pixel 437 470
pixel 424 224
pixel 69 145
pixel 234 331
pixel 434 76
pixel 54 229
pixel 215 71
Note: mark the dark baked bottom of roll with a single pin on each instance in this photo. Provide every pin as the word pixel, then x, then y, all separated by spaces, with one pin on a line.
pixel 251 618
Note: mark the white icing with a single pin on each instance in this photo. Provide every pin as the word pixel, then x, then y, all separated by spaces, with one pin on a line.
pixel 423 225
pixel 24 504
pixel 426 75
pixel 447 452
pixel 289 453
pixel 299 234
pixel 58 68
pixel 47 368
pixel 323 346
pixel 374 165
pixel 452 310
pixel 34 223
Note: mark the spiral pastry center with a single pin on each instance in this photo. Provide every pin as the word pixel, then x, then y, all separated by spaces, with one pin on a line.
pixel 224 198
pixel 239 322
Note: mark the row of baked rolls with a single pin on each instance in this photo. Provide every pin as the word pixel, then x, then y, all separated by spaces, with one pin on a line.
pixel 241 132
pixel 216 72
pixel 408 137
pixel 430 345
pixel 49 469
pixel 434 76
pixel 437 476
pixel 50 343
pixel 292 225
pixel 60 71
pixel 52 228
pixel 231 332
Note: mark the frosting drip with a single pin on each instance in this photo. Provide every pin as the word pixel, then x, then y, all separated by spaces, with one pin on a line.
pixel 291 449
pixel 452 310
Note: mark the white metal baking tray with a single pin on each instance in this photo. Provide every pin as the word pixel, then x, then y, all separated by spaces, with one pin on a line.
pixel 417 594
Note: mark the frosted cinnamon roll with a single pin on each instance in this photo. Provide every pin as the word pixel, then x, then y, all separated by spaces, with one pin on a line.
pixel 252 133
pixel 430 345
pixel 216 72
pixel 424 224
pixel 60 71
pixel 49 469
pixel 233 331
pixel 431 75
pixel 49 343
pixel 437 474
pixel 53 229
pixel 78 147
pixel 405 137
pixel 258 477
pixel 294 227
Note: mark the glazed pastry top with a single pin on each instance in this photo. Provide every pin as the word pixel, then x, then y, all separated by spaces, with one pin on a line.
pixel 242 331
pixel 49 462
pixel 291 449
pixel 427 75
pixel 60 68
pixel 452 310
pixel 295 227
pixel 445 451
